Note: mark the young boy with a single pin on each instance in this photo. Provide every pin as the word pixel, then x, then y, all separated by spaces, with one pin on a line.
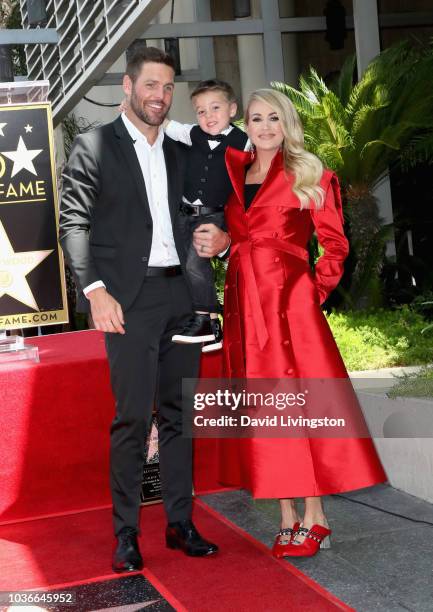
pixel 207 187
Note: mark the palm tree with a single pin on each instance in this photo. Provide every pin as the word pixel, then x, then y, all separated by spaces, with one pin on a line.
pixel 361 130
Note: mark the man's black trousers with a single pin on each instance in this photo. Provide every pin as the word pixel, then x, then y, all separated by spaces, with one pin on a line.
pixel 146 370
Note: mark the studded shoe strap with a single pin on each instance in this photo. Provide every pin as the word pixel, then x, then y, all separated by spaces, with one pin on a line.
pixel 287 531
pixel 308 533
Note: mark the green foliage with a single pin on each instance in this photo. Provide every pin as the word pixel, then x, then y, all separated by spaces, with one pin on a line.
pixel 418 150
pixel 17 51
pixel 360 129
pixel 72 126
pixel 424 305
pixel 6 10
pixel 344 84
pixel 366 285
pixel 382 338
pixel 417 384
pixel 219 268
pixel 10 18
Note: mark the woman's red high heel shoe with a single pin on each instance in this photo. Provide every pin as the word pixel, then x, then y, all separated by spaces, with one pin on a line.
pixel 315 538
pixel 283 540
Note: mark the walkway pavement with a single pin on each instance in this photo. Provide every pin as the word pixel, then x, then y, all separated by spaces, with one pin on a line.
pixel 377 561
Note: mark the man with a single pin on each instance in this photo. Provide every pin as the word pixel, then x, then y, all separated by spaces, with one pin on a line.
pixel 122 191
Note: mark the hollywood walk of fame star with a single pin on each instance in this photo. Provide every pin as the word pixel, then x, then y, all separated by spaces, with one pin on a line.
pixel 136 607
pixel 14 268
pixel 28 128
pixel 2 126
pixel 22 158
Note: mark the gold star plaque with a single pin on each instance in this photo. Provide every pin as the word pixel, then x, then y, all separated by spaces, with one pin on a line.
pixel 14 268
pixel 32 276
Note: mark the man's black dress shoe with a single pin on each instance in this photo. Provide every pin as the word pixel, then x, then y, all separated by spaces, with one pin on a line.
pixel 185 536
pixel 127 557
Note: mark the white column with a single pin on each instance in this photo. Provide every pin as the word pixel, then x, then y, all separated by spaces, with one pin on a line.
pixel 184 12
pixel 206 54
pixel 274 63
pixel 251 60
pixel 289 46
pixel 367 41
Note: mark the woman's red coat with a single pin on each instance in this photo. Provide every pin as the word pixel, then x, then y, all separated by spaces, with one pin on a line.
pixel 274 328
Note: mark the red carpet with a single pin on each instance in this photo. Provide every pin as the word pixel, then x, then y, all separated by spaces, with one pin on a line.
pixel 243 576
pixel 206 450
pixel 54 423
pixel 54 427
pixel 206 467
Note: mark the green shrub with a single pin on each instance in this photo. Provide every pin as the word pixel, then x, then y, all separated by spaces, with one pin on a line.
pixel 418 384
pixel 382 338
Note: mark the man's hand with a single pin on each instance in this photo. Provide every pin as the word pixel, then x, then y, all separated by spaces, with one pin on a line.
pixel 209 240
pixel 107 314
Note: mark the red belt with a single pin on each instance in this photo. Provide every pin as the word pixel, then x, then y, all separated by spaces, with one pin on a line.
pixel 243 249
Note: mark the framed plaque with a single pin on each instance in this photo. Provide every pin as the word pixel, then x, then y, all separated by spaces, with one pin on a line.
pixel 151 484
pixel 32 276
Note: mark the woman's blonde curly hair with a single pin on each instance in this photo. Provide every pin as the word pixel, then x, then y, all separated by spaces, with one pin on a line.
pixel 306 167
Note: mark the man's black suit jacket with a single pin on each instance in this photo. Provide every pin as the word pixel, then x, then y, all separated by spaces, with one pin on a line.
pixel 105 219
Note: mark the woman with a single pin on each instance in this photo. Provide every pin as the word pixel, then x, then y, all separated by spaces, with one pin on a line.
pixel 274 326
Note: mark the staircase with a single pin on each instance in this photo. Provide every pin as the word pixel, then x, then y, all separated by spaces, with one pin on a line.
pixel 92 36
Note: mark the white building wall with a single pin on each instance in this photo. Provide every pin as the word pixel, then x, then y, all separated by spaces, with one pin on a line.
pixel 251 59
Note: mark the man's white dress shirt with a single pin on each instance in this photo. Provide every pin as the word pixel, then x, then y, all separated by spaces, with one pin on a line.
pixel 152 163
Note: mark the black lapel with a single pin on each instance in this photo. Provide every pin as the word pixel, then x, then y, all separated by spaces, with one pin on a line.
pixel 126 144
pixel 173 177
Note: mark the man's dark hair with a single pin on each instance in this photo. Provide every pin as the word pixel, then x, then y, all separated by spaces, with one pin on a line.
pixel 138 54
pixel 214 85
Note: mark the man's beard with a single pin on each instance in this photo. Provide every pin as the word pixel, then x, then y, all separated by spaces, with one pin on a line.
pixel 138 109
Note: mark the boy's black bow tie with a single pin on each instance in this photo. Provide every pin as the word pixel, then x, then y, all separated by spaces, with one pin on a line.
pixel 217 137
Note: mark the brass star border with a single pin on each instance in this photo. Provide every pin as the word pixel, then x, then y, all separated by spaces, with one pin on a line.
pixel 32 272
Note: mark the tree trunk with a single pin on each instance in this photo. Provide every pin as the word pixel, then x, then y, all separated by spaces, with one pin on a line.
pixel 368 240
